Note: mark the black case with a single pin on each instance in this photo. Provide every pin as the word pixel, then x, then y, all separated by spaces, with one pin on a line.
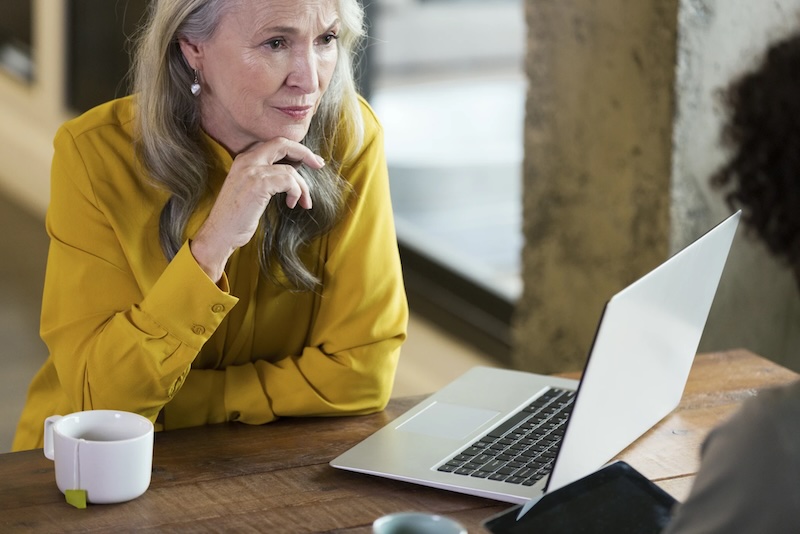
pixel 615 499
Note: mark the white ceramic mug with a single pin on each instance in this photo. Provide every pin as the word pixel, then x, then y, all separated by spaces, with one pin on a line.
pixel 106 453
pixel 416 523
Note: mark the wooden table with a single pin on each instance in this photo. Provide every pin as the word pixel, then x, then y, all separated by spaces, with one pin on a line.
pixel 276 478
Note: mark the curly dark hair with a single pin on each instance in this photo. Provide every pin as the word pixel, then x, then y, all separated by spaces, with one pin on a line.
pixel 762 176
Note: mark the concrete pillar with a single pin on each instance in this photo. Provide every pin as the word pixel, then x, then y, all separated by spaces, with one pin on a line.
pixel 597 166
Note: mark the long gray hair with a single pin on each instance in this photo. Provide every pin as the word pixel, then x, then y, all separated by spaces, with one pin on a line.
pixel 170 145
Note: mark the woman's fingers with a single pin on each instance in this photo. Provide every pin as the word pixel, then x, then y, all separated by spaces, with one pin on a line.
pixel 282 150
pixel 266 181
pixel 284 178
pixel 276 163
pixel 297 191
pixel 256 176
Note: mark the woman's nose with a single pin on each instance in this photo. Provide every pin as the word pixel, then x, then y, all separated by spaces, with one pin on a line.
pixel 304 74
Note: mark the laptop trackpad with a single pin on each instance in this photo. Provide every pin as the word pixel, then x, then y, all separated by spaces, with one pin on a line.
pixel 448 420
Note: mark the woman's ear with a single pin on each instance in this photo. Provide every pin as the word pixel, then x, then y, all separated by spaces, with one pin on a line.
pixel 192 53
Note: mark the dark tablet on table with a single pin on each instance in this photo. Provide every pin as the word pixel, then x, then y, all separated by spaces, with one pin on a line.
pixel 615 499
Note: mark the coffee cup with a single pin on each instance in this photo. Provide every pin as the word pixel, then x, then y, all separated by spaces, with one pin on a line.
pixel 416 523
pixel 104 456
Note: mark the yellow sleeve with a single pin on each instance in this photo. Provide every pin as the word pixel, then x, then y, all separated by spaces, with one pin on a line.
pixel 349 363
pixel 352 356
pixel 107 352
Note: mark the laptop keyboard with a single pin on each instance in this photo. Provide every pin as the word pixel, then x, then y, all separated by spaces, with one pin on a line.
pixel 523 448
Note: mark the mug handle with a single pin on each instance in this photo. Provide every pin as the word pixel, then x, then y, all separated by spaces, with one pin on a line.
pixel 49 453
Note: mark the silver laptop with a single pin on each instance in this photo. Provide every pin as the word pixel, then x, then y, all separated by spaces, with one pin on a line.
pixel 469 436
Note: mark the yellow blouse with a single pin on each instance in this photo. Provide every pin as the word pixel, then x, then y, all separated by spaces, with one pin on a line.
pixel 128 330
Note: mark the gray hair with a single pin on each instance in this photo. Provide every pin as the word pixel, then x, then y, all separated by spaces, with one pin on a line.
pixel 170 145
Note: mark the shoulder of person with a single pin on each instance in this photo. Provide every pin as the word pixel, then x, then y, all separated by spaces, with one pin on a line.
pixel 785 399
pixel 355 135
pixel 783 405
pixel 772 412
pixel 117 113
pixel 372 124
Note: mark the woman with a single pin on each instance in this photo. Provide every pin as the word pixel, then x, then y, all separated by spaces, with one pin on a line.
pixel 222 242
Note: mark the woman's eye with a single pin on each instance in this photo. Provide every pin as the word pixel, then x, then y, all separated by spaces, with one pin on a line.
pixel 274 44
pixel 329 38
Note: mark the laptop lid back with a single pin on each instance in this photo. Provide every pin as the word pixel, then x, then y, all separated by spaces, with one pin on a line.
pixel 642 354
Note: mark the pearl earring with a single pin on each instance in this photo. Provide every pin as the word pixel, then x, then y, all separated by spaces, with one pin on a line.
pixel 195 87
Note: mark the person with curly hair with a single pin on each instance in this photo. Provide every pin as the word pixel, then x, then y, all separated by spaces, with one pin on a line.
pixel 762 175
pixel 750 465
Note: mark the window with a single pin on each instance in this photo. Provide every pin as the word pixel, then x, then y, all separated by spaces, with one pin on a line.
pixel 99 56
pixel 15 39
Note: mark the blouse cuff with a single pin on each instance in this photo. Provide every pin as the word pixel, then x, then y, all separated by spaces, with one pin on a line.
pixel 186 302
pixel 245 398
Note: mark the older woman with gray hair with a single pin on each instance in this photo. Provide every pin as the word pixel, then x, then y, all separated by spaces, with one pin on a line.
pixel 222 240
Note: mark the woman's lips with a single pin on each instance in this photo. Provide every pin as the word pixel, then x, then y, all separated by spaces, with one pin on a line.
pixel 296 112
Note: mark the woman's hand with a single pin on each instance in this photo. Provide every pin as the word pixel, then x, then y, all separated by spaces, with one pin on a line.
pixel 257 174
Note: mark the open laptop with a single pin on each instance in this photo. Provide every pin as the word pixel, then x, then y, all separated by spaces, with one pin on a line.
pixel 634 376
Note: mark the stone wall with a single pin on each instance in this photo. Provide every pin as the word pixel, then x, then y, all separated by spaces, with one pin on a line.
pixel 622 132
pixel 596 167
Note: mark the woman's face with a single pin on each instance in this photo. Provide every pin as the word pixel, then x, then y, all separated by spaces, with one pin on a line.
pixel 265 69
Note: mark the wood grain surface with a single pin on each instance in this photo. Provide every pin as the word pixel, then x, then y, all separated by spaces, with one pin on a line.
pixel 276 477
